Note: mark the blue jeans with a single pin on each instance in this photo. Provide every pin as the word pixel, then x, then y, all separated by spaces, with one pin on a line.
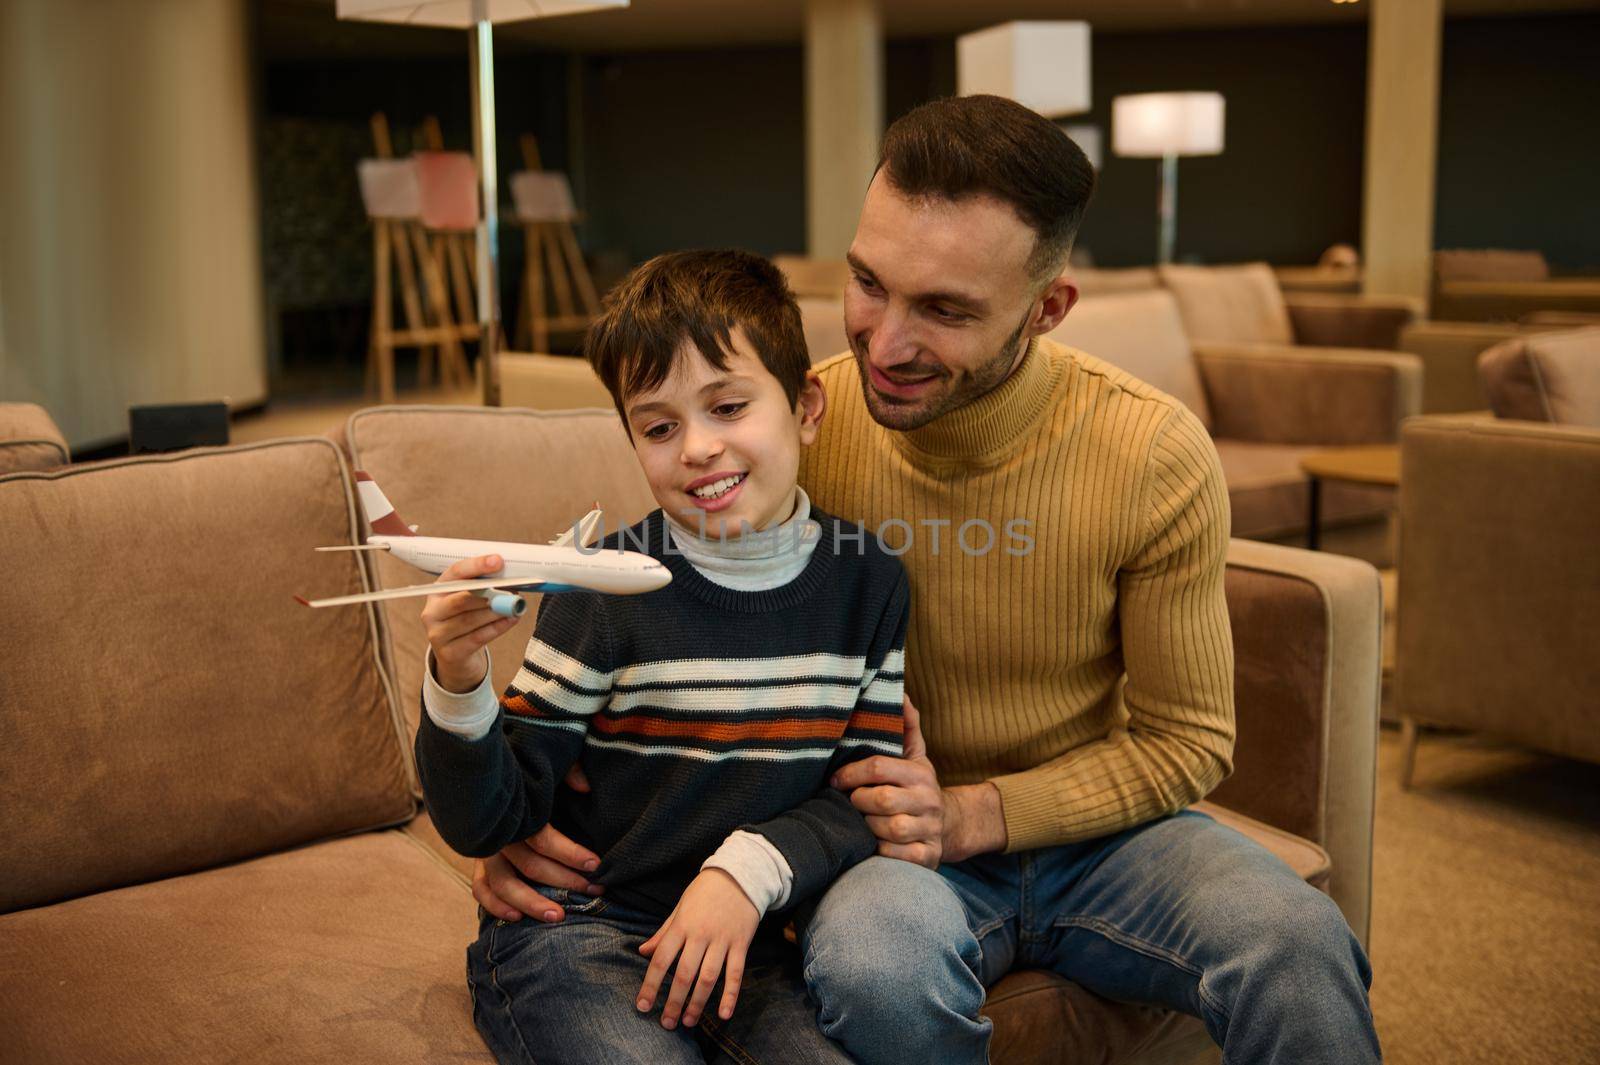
pixel 563 994
pixel 1181 912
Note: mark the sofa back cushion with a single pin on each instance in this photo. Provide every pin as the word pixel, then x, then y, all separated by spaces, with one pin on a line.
pixel 1139 332
pixel 1545 377
pixel 29 439
pixel 167 705
pixel 1230 304
pixel 1490 264
pixel 487 473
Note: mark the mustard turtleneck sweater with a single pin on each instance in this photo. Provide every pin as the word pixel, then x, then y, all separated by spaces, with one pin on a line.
pixel 1109 523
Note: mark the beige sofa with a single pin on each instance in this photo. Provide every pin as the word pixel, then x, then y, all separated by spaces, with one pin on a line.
pixel 1499 597
pixel 214 847
pixel 1266 406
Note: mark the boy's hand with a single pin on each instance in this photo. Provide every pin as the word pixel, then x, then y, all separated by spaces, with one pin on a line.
pixel 711 927
pixel 460 625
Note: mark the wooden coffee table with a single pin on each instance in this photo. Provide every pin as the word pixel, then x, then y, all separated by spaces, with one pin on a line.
pixel 1377 464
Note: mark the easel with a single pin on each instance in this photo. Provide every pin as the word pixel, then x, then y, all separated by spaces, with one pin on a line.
pixel 451 246
pixel 551 251
pixel 402 238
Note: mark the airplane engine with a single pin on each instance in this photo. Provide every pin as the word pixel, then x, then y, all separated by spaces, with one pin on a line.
pixel 506 604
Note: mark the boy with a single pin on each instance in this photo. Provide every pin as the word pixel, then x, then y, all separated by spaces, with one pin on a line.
pixel 709 714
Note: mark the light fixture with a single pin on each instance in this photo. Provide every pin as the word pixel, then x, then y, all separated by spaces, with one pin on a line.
pixel 478 18
pixel 1042 65
pixel 1166 125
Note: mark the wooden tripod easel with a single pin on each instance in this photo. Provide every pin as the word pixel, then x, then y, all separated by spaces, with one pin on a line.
pixel 551 254
pixel 403 241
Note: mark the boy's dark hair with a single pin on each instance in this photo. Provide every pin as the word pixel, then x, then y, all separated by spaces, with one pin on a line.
pixel 699 296
pixel 967 146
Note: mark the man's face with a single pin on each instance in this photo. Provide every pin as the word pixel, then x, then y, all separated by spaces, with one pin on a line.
pixel 721 448
pixel 940 305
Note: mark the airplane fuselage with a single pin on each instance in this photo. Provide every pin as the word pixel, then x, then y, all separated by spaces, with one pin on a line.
pixel 609 571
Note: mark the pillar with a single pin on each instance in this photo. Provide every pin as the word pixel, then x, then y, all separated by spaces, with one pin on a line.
pixel 844 118
pixel 1402 146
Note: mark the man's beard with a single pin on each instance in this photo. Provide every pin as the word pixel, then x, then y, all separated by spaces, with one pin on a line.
pixel 905 415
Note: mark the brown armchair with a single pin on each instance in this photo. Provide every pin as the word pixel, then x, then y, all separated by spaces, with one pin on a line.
pixel 29 439
pixel 1500 583
pixel 1265 404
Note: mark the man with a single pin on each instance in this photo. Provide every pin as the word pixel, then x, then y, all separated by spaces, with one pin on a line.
pixel 1064 527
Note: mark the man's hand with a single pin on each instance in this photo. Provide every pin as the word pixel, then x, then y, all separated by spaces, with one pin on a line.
pixel 460 625
pixel 547 857
pixel 710 929
pixel 914 819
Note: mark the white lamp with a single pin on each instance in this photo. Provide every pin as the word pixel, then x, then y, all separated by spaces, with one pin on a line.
pixel 1165 125
pixel 477 16
pixel 1042 65
pixel 1087 137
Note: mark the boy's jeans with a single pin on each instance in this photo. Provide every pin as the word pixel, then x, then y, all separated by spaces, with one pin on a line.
pixel 1181 912
pixel 563 993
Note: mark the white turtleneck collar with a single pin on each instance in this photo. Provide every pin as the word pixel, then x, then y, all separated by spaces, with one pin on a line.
pixel 757 561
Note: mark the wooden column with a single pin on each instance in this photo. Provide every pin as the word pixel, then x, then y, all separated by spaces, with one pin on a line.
pixel 844 118
pixel 1402 146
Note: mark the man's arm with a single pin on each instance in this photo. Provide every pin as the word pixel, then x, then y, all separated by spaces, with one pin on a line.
pixel 1177 649
pixel 1178 652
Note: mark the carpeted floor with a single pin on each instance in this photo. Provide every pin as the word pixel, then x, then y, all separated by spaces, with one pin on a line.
pixel 1486 906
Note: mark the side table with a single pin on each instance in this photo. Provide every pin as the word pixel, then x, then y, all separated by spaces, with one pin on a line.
pixel 1377 464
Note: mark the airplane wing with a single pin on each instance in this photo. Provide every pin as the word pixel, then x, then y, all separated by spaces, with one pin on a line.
pixel 585 527
pixel 505 584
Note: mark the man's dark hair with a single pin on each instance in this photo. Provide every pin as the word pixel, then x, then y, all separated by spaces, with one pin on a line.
pixel 699 296
pixel 965 146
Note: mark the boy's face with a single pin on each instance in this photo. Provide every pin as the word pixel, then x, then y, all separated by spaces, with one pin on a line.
pixel 721 448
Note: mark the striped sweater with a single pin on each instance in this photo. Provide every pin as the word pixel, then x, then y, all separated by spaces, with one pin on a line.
pixel 697 710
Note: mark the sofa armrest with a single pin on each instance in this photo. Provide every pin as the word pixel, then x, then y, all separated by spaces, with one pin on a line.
pixel 1348 321
pixel 1284 394
pixel 1306 638
pixel 1497 610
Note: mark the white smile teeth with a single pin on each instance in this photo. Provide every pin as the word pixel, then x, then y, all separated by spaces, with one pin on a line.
pixel 716 488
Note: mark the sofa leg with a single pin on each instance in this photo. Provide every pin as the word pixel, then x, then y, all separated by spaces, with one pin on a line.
pixel 1408 750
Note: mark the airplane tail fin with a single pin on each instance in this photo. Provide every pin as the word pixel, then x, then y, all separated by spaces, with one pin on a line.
pixel 381 516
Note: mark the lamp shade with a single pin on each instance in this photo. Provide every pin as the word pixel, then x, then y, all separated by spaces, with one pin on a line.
pixel 1153 124
pixel 460 14
pixel 1042 65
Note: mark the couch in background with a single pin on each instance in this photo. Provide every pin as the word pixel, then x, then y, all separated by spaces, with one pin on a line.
pixel 1494 285
pixel 1499 600
pixel 1265 404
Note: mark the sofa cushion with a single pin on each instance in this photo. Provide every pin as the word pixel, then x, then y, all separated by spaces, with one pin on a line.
pixel 1142 333
pixel 178 709
pixel 1545 377
pixel 491 474
pixel 29 439
pixel 1269 496
pixel 1230 304
pixel 351 950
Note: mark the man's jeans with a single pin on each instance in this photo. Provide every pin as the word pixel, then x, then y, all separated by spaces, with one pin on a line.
pixel 564 993
pixel 1181 912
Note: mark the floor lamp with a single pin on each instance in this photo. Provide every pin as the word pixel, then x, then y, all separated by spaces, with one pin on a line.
pixel 1042 65
pixel 478 18
pixel 1166 125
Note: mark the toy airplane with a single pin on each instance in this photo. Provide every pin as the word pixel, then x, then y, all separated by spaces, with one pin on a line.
pixel 559 566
